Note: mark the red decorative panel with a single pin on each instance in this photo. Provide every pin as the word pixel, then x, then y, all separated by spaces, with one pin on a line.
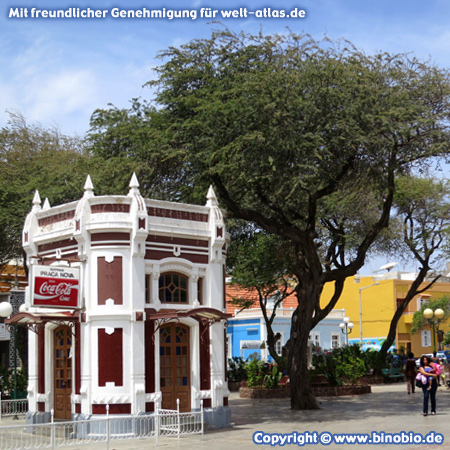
pixel 219 232
pixel 207 403
pixel 110 207
pixel 110 357
pixel 177 241
pixel 149 356
pixel 119 408
pixel 141 224
pixel 110 280
pixel 150 407
pixel 205 371
pixel 56 218
pixel 158 255
pixel 57 245
pixel 41 360
pixel 225 401
pixel 41 406
pixel 78 408
pixel 99 239
pixel 177 214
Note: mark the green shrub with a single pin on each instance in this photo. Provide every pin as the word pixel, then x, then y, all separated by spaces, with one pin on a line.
pixel 255 372
pixel 236 369
pixel 272 379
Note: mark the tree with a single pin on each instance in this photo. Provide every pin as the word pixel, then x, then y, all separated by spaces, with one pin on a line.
pixel 304 139
pixel 419 320
pixel 32 157
pixel 423 220
pixel 259 262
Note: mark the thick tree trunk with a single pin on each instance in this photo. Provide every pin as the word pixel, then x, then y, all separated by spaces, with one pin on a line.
pixel 302 321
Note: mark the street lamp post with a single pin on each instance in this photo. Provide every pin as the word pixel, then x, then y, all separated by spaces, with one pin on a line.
pixel 360 312
pixel 434 318
pixel 346 327
pixel 6 310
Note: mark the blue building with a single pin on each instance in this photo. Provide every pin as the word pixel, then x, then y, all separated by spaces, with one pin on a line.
pixel 247 332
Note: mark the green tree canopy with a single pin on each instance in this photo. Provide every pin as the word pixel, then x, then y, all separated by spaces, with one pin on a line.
pixel 305 140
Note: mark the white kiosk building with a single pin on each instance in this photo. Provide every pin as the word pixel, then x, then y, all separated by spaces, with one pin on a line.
pixel 126 307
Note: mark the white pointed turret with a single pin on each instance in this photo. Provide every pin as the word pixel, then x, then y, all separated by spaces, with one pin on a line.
pixel 46 204
pixel 36 201
pixel 134 185
pixel 211 197
pixel 88 187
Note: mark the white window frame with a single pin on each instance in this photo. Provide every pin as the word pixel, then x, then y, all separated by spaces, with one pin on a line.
pixel 279 344
pixel 337 337
pixel 426 338
pixel 314 338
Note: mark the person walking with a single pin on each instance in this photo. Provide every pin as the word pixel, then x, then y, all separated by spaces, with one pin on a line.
pixel 410 373
pixel 428 393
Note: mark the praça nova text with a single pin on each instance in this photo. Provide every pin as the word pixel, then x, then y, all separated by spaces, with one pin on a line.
pixel 163 13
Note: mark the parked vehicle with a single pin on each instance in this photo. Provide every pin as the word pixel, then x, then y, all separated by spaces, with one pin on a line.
pixel 442 355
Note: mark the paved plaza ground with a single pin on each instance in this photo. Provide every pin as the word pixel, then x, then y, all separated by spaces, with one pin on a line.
pixel 388 409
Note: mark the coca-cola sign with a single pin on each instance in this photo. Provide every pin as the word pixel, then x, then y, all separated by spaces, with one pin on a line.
pixel 55 286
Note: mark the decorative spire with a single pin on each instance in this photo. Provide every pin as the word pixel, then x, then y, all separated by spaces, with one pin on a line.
pixel 134 185
pixel 46 204
pixel 88 187
pixel 36 201
pixel 211 197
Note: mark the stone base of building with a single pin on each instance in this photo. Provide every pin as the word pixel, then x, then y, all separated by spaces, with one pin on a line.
pixel 33 418
pixel 214 418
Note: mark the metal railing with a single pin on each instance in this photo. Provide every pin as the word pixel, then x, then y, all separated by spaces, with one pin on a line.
pixel 96 430
pixel 12 407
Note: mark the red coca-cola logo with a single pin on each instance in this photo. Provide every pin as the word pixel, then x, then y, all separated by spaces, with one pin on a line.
pixel 55 292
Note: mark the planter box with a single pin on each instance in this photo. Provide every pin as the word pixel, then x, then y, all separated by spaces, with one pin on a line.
pixel 318 391
pixel 234 386
pixel 261 392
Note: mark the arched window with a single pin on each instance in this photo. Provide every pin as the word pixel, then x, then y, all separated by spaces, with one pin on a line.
pixel 173 288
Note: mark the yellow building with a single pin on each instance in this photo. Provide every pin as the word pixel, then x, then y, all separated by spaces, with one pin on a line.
pixel 372 302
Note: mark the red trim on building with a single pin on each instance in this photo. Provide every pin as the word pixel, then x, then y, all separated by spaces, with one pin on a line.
pixel 67 215
pixel 41 361
pixel 161 254
pixel 177 214
pixel 225 401
pixel 66 243
pixel 150 407
pixel 149 356
pixel 115 408
pixel 110 207
pixel 177 241
pixel 41 406
pixel 110 280
pixel 207 403
pixel 205 370
pixel 111 238
pixel 110 357
pixel 77 408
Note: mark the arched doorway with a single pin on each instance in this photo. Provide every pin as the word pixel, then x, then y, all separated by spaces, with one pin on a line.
pixel 175 380
pixel 62 372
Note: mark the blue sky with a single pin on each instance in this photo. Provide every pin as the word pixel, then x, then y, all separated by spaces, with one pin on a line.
pixel 58 71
